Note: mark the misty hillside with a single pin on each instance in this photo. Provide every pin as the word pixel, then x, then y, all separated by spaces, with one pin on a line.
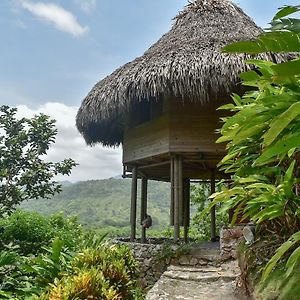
pixel 103 203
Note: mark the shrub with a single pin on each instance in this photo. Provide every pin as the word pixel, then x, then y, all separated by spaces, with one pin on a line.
pixel 106 272
pixel 29 230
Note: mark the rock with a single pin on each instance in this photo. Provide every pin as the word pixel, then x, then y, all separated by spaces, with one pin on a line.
pixel 184 260
pixel 193 261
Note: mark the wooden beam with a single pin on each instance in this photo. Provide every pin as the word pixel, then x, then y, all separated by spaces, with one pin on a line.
pixel 133 203
pixel 186 209
pixel 176 200
pixel 144 192
pixel 213 209
pixel 172 180
pixel 180 191
pixel 154 165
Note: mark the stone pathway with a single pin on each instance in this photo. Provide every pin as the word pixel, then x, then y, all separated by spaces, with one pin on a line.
pixel 200 283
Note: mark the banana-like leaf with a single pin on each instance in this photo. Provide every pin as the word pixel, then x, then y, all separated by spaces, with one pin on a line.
pixel 281 122
pixel 281 147
pixel 287 69
pixel 278 41
pixel 247 133
pixel 292 262
pixel 292 241
pixel 289 173
pixel 286 11
pixel 290 24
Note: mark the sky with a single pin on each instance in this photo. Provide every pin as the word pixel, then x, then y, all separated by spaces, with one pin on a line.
pixel 54 51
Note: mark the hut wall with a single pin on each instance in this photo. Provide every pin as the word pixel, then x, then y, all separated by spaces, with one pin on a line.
pixel 146 140
pixel 182 127
pixel 193 127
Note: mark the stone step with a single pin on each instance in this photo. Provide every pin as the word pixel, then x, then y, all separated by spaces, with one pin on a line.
pixel 197 260
pixel 206 269
pixel 226 276
pixel 173 289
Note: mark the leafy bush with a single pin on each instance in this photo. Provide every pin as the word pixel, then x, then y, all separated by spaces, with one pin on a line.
pixel 105 272
pixel 29 230
pixel 32 231
pixel 61 261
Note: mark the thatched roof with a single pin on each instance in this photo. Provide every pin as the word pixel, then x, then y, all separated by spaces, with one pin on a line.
pixel 186 62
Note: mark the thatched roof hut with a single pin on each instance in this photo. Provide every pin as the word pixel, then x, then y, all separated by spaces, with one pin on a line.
pixel 186 62
pixel 162 106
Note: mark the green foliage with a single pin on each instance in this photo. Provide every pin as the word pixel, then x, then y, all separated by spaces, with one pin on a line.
pixel 277 286
pixel 32 231
pixel 263 142
pixel 293 260
pixel 201 224
pixel 106 272
pixel 23 173
pixel 72 262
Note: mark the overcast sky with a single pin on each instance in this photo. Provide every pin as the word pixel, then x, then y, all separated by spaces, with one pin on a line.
pixel 54 51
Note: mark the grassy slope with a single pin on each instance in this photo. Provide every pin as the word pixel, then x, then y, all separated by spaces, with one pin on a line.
pixel 103 203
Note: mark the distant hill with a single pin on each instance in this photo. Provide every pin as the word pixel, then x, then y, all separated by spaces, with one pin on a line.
pixel 104 203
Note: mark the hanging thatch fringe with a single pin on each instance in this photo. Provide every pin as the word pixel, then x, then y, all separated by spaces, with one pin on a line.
pixel 186 62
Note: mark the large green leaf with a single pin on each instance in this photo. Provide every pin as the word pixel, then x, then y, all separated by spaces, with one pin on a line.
pixel 286 11
pixel 294 239
pixel 292 261
pixel 280 41
pixel 287 69
pixel 281 122
pixel 287 24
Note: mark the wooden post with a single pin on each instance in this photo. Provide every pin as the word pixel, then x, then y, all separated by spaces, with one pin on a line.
pixel 186 209
pixel 172 183
pixel 144 192
pixel 180 191
pixel 176 199
pixel 133 204
pixel 213 209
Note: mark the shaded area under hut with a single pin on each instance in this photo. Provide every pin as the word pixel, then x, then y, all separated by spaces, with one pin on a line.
pixel 162 106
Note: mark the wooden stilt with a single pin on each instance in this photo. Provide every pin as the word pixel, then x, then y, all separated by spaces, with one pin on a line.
pixel 176 199
pixel 133 204
pixel 213 209
pixel 172 182
pixel 144 192
pixel 186 209
pixel 180 191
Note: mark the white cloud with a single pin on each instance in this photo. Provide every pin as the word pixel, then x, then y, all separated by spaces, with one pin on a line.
pixel 94 162
pixel 87 6
pixel 57 15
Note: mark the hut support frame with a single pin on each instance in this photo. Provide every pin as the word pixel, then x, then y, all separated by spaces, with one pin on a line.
pixel 144 195
pixel 133 203
pixel 186 214
pixel 177 183
pixel 213 209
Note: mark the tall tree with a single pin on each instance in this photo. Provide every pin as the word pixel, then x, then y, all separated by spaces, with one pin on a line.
pixel 24 172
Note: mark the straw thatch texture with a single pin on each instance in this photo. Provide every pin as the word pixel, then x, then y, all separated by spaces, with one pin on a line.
pixel 186 62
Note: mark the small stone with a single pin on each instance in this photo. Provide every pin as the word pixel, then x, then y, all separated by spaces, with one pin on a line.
pixel 193 261
pixel 202 262
pixel 183 260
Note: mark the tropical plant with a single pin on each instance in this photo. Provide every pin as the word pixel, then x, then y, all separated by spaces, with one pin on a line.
pixel 105 272
pixel 263 140
pixel 32 231
pixel 201 225
pixel 28 265
pixel 23 172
